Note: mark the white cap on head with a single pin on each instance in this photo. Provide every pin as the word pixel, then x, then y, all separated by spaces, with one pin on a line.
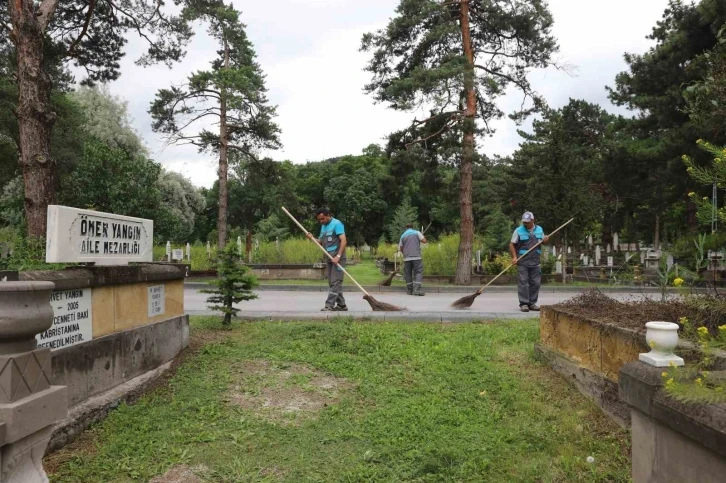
pixel 527 216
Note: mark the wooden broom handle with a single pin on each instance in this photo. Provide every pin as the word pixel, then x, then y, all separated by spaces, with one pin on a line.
pixel 523 255
pixel 325 251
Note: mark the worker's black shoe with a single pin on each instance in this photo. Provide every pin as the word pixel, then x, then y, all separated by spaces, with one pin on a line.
pixel 341 308
pixel 327 309
pixel 524 308
pixel 534 308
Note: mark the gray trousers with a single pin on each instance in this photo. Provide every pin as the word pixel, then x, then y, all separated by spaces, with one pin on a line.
pixel 413 274
pixel 529 281
pixel 335 282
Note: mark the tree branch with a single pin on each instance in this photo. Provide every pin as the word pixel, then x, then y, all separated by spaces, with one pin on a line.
pixel 45 13
pixel 511 79
pixel 452 113
pixel 200 116
pixel 133 21
pixel 86 23
pixel 456 116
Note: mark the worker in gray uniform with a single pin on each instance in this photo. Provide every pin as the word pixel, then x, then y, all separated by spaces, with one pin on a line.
pixel 410 246
pixel 529 279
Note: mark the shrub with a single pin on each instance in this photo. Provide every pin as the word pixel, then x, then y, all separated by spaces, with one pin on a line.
pixel 25 253
pixel 548 264
pixel 498 264
pixel 387 250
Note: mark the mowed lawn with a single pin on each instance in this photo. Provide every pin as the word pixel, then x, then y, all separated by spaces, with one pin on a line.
pixel 350 401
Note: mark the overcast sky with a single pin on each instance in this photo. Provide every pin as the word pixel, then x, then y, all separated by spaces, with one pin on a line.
pixel 309 51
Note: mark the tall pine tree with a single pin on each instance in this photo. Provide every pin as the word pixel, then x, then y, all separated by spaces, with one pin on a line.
pixel 231 95
pixel 458 57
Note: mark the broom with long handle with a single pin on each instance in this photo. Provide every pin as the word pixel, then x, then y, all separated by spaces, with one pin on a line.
pixel 376 306
pixel 386 282
pixel 465 302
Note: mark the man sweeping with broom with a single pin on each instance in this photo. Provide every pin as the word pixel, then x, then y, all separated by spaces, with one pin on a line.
pixel 410 246
pixel 333 240
pixel 526 236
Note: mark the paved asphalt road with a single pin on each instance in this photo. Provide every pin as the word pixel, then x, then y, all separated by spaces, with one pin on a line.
pixel 279 305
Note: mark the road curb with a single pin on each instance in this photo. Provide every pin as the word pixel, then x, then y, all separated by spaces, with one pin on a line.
pixel 431 317
pixel 448 289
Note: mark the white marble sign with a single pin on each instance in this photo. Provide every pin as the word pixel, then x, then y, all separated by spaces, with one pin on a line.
pixel 72 319
pixel 610 261
pixel 85 236
pixel 177 254
pixel 156 300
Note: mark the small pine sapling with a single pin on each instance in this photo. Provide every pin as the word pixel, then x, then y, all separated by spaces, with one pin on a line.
pixel 234 284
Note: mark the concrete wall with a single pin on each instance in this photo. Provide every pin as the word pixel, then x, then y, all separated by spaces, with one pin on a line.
pixel 117 308
pixel 603 349
pixel 591 355
pixel 93 367
pixel 126 341
pixel 673 442
pixel 289 272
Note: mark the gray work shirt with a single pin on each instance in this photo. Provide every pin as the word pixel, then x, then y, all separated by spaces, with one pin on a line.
pixel 410 245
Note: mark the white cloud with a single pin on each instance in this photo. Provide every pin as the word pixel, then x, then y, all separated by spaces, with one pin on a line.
pixel 309 49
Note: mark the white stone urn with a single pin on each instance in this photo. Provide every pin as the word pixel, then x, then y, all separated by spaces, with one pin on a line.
pixel 662 338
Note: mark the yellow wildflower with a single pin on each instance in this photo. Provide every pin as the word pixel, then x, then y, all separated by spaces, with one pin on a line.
pixel 722 328
pixel 664 374
pixel 691 194
pixel 703 331
pixel 678 282
pixel 651 344
pixel 699 381
pixel 684 320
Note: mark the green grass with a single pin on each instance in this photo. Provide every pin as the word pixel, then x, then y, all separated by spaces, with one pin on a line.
pixel 427 403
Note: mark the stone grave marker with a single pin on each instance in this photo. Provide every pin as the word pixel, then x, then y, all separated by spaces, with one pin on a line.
pixel 85 236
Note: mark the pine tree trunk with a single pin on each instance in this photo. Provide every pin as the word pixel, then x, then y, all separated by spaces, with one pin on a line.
pixel 35 116
pixel 223 163
pixel 463 264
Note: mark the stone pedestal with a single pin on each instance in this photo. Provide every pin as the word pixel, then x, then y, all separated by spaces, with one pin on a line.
pixel 29 404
